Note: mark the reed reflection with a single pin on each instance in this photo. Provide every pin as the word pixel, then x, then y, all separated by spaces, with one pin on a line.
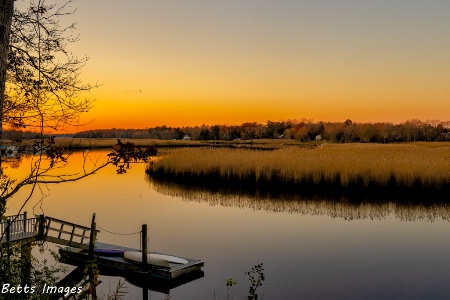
pixel 348 207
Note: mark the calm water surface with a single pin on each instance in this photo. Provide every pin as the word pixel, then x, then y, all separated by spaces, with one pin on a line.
pixel 311 249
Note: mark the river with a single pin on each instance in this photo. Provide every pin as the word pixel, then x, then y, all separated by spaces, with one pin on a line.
pixel 310 248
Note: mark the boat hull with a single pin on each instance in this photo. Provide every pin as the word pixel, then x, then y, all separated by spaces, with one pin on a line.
pixel 151 260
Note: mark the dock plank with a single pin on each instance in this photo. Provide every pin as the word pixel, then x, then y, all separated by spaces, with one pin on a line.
pixel 20 238
pixel 175 270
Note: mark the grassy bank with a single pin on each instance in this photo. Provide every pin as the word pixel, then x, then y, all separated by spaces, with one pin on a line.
pixel 414 165
pixel 103 143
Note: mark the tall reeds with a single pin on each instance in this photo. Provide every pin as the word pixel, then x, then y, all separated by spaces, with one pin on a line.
pixel 405 165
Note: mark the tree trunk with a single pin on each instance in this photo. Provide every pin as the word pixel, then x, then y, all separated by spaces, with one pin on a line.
pixel 6 12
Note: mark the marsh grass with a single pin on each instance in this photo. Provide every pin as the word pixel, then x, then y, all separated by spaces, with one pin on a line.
pixel 418 165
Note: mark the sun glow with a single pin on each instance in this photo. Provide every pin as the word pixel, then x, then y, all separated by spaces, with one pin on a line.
pixel 186 64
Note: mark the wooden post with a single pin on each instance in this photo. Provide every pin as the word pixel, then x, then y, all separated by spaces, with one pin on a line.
pixel 8 231
pixel 92 236
pixel 144 293
pixel 60 230
pixel 41 231
pixel 24 222
pixel 144 248
pixel 25 253
pixel 82 238
pixel 73 232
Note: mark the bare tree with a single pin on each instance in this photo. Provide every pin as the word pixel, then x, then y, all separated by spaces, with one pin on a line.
pixel 43 90
pixel 43 77
pixel 6 12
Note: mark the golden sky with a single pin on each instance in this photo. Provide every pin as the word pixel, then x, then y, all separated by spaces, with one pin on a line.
pixel 178 62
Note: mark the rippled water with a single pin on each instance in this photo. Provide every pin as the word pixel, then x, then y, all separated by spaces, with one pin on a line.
pixel 311 248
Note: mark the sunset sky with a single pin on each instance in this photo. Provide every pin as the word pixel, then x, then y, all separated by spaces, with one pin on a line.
pixel 178 62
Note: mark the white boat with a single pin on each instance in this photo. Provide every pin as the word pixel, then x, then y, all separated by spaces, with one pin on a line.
pixel 170 258
pixel 160 260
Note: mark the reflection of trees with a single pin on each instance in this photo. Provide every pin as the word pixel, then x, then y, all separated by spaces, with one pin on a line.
pixel 13 162
pixel 337 207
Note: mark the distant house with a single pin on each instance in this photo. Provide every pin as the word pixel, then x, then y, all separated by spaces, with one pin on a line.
pixel 186 137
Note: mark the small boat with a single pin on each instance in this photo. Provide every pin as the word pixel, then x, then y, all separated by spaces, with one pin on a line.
pixel 108 252
pixel 161 260
pixel 135 256
pixel 170 258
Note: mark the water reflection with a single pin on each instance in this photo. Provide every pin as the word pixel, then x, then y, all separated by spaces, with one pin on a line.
pixel 13 162
pixel 307 257
pixel 137 279
pixel 347 208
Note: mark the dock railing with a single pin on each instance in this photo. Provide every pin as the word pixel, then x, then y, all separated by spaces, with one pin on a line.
pixel 66 233
pixel 18 227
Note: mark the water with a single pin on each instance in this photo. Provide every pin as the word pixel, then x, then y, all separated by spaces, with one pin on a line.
pixel 311 249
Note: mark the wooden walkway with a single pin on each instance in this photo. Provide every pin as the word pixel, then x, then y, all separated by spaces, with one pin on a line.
pixel 20 229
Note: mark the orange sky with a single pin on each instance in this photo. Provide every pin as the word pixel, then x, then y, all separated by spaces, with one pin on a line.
pixel 227 62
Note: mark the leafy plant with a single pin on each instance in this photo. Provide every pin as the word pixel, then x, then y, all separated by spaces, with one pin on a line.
pixel 119 293
pixel 256 277
pixel 19 268
pixel 125 153
pixel 91 279
pixel 230 282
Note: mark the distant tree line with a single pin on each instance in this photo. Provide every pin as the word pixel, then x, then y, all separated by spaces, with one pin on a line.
pixel 303 130
pixel 18 135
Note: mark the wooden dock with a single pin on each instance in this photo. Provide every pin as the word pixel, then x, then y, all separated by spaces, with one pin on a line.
pixel 80 242
pixel 78 256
